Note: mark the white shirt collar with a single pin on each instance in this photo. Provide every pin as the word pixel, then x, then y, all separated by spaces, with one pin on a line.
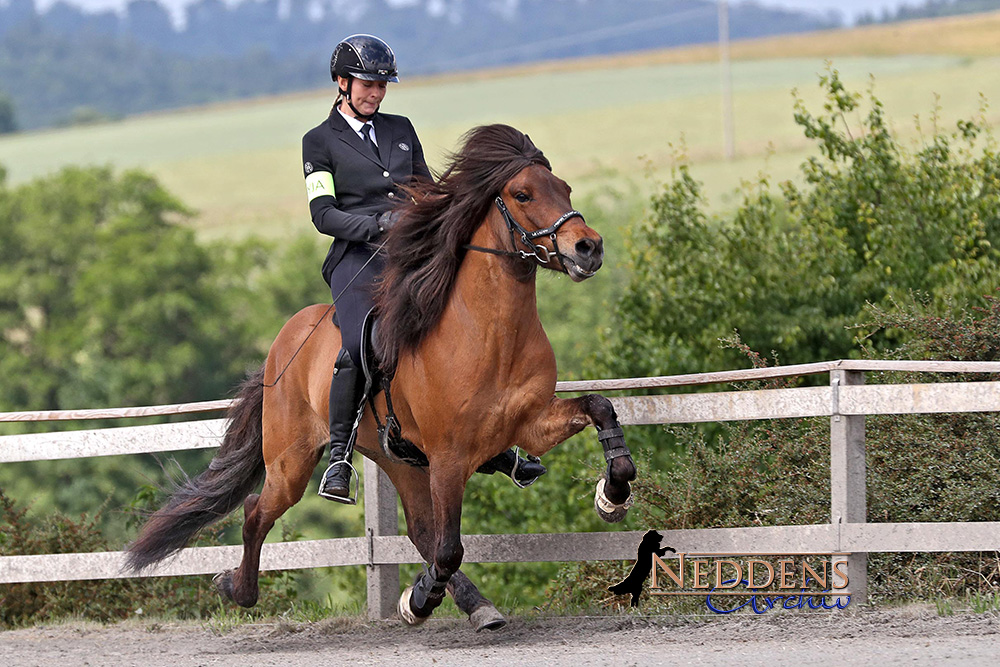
pixel 356 124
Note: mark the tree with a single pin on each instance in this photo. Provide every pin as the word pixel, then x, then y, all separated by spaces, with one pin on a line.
pixel 109 303
pixel 8 120
pixel 106 301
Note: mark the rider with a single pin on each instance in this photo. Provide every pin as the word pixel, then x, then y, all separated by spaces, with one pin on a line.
pixel 354 162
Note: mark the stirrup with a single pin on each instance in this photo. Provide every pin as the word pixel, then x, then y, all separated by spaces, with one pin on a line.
pixel 348 499
pixel 517 464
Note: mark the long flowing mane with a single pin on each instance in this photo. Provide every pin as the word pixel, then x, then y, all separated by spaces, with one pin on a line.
pixel 425 247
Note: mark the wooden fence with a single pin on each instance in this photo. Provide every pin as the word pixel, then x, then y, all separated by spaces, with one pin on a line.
pixel 846 400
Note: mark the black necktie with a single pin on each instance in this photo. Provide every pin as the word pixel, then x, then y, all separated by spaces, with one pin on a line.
pixel 366 136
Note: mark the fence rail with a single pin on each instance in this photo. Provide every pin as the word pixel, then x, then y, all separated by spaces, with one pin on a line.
pixel 846 400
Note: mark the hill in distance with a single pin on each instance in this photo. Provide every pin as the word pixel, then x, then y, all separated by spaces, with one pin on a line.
pixel 63 66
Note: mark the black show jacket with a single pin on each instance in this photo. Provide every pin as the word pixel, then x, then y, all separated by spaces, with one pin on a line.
pixel 349 186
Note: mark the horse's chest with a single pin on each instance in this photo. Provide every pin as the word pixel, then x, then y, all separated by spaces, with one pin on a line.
pixel 506 407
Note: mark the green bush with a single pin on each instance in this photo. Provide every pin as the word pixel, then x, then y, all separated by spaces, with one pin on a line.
pixel 825 270
pixel 790 270
pixel 921 468
pixel 114 599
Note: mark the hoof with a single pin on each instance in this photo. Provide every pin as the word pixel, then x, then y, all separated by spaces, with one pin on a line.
pixel 487 617
pixel 227 589
pixel 224 584
pixel 404 610
pixel 607 510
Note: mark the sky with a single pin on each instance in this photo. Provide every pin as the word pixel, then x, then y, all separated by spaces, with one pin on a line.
pixel 850 9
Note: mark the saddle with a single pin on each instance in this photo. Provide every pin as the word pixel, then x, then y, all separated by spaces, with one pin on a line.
pixel 390 436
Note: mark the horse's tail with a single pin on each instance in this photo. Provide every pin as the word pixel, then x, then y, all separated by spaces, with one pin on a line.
pixel 231 476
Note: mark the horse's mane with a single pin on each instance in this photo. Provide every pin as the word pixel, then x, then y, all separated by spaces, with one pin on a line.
pixel 425 247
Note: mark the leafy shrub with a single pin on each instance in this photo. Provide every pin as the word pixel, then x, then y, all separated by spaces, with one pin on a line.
pixel 791 270
pixel 114 599
pixel 921 468
pixel 808 273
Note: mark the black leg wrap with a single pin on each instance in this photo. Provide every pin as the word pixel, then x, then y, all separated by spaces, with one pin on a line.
pixel 618 458
pixel 610 451
pixel 613 451
pixel 428 592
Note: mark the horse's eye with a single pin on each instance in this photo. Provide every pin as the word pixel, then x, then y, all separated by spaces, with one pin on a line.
pixel 521 197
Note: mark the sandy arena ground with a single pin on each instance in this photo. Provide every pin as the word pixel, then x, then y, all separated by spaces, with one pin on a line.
pixel 888 637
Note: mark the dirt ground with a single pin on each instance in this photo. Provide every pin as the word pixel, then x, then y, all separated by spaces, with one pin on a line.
pixel 888 637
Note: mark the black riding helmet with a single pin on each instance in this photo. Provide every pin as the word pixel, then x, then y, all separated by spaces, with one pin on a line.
pixel 362 57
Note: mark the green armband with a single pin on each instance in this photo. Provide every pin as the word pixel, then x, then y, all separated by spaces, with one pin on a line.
pixel 319 183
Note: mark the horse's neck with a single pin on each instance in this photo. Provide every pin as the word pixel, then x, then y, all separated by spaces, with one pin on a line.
pixel 488 344
pixel 491 322
pixel 505 304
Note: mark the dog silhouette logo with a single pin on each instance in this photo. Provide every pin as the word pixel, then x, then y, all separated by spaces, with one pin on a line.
pixel 632 584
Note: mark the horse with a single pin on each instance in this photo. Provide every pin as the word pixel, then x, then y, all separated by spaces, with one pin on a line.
pixel 471 373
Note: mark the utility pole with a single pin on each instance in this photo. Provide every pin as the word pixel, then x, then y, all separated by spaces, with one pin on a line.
pixel 728 132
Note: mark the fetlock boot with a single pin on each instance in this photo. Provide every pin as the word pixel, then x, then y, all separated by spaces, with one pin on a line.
pixel 522 471
pixel 345 390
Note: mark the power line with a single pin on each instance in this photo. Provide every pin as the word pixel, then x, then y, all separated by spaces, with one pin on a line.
pixel 541 47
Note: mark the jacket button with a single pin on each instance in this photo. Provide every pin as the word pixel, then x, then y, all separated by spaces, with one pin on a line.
pixel 392 195
pixel 386 174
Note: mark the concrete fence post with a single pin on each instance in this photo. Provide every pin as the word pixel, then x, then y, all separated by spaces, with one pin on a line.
pixel 848 503
pixel 381 519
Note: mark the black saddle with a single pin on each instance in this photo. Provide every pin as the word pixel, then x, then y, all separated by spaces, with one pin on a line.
pixel 390 436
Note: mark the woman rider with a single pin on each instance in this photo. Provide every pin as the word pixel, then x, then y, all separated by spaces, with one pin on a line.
pixel 353 163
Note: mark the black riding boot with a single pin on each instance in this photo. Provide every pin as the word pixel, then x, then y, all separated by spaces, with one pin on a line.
pixel 345 390
pixel 523 472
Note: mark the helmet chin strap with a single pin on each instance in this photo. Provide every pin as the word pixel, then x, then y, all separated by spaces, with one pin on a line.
pixel 350 102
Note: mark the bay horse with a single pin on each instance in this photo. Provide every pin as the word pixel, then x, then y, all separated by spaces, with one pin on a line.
pixel 474 374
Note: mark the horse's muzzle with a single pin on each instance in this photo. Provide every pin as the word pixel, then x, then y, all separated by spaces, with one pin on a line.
pixel 586 258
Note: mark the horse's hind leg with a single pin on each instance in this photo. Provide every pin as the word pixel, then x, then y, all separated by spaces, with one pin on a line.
pixel 413 486
pixel 286 481
pixel 483 615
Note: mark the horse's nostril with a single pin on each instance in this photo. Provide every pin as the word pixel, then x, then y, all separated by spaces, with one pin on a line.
pixel 585 247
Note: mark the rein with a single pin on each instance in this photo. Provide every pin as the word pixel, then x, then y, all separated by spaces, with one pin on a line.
pixel 323 317
pixel 539 253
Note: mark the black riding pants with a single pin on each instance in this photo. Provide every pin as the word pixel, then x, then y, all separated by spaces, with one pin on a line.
pixel 357 282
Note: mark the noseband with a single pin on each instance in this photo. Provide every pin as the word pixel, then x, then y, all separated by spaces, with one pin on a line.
pixel 539 253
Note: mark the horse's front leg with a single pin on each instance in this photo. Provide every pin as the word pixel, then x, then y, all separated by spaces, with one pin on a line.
pixel 413 486
pixel 563 418
pixel 447 489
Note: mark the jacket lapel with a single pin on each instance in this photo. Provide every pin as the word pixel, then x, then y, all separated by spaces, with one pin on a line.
pixel 383 134
pixel 351 138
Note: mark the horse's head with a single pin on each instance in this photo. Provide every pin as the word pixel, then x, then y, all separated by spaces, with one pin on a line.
pixel 535 206
pixel 498 196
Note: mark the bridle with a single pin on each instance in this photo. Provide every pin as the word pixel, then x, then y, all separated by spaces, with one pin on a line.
pixel 539 253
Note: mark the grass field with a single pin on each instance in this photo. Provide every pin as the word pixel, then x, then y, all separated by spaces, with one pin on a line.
pixel 238 166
